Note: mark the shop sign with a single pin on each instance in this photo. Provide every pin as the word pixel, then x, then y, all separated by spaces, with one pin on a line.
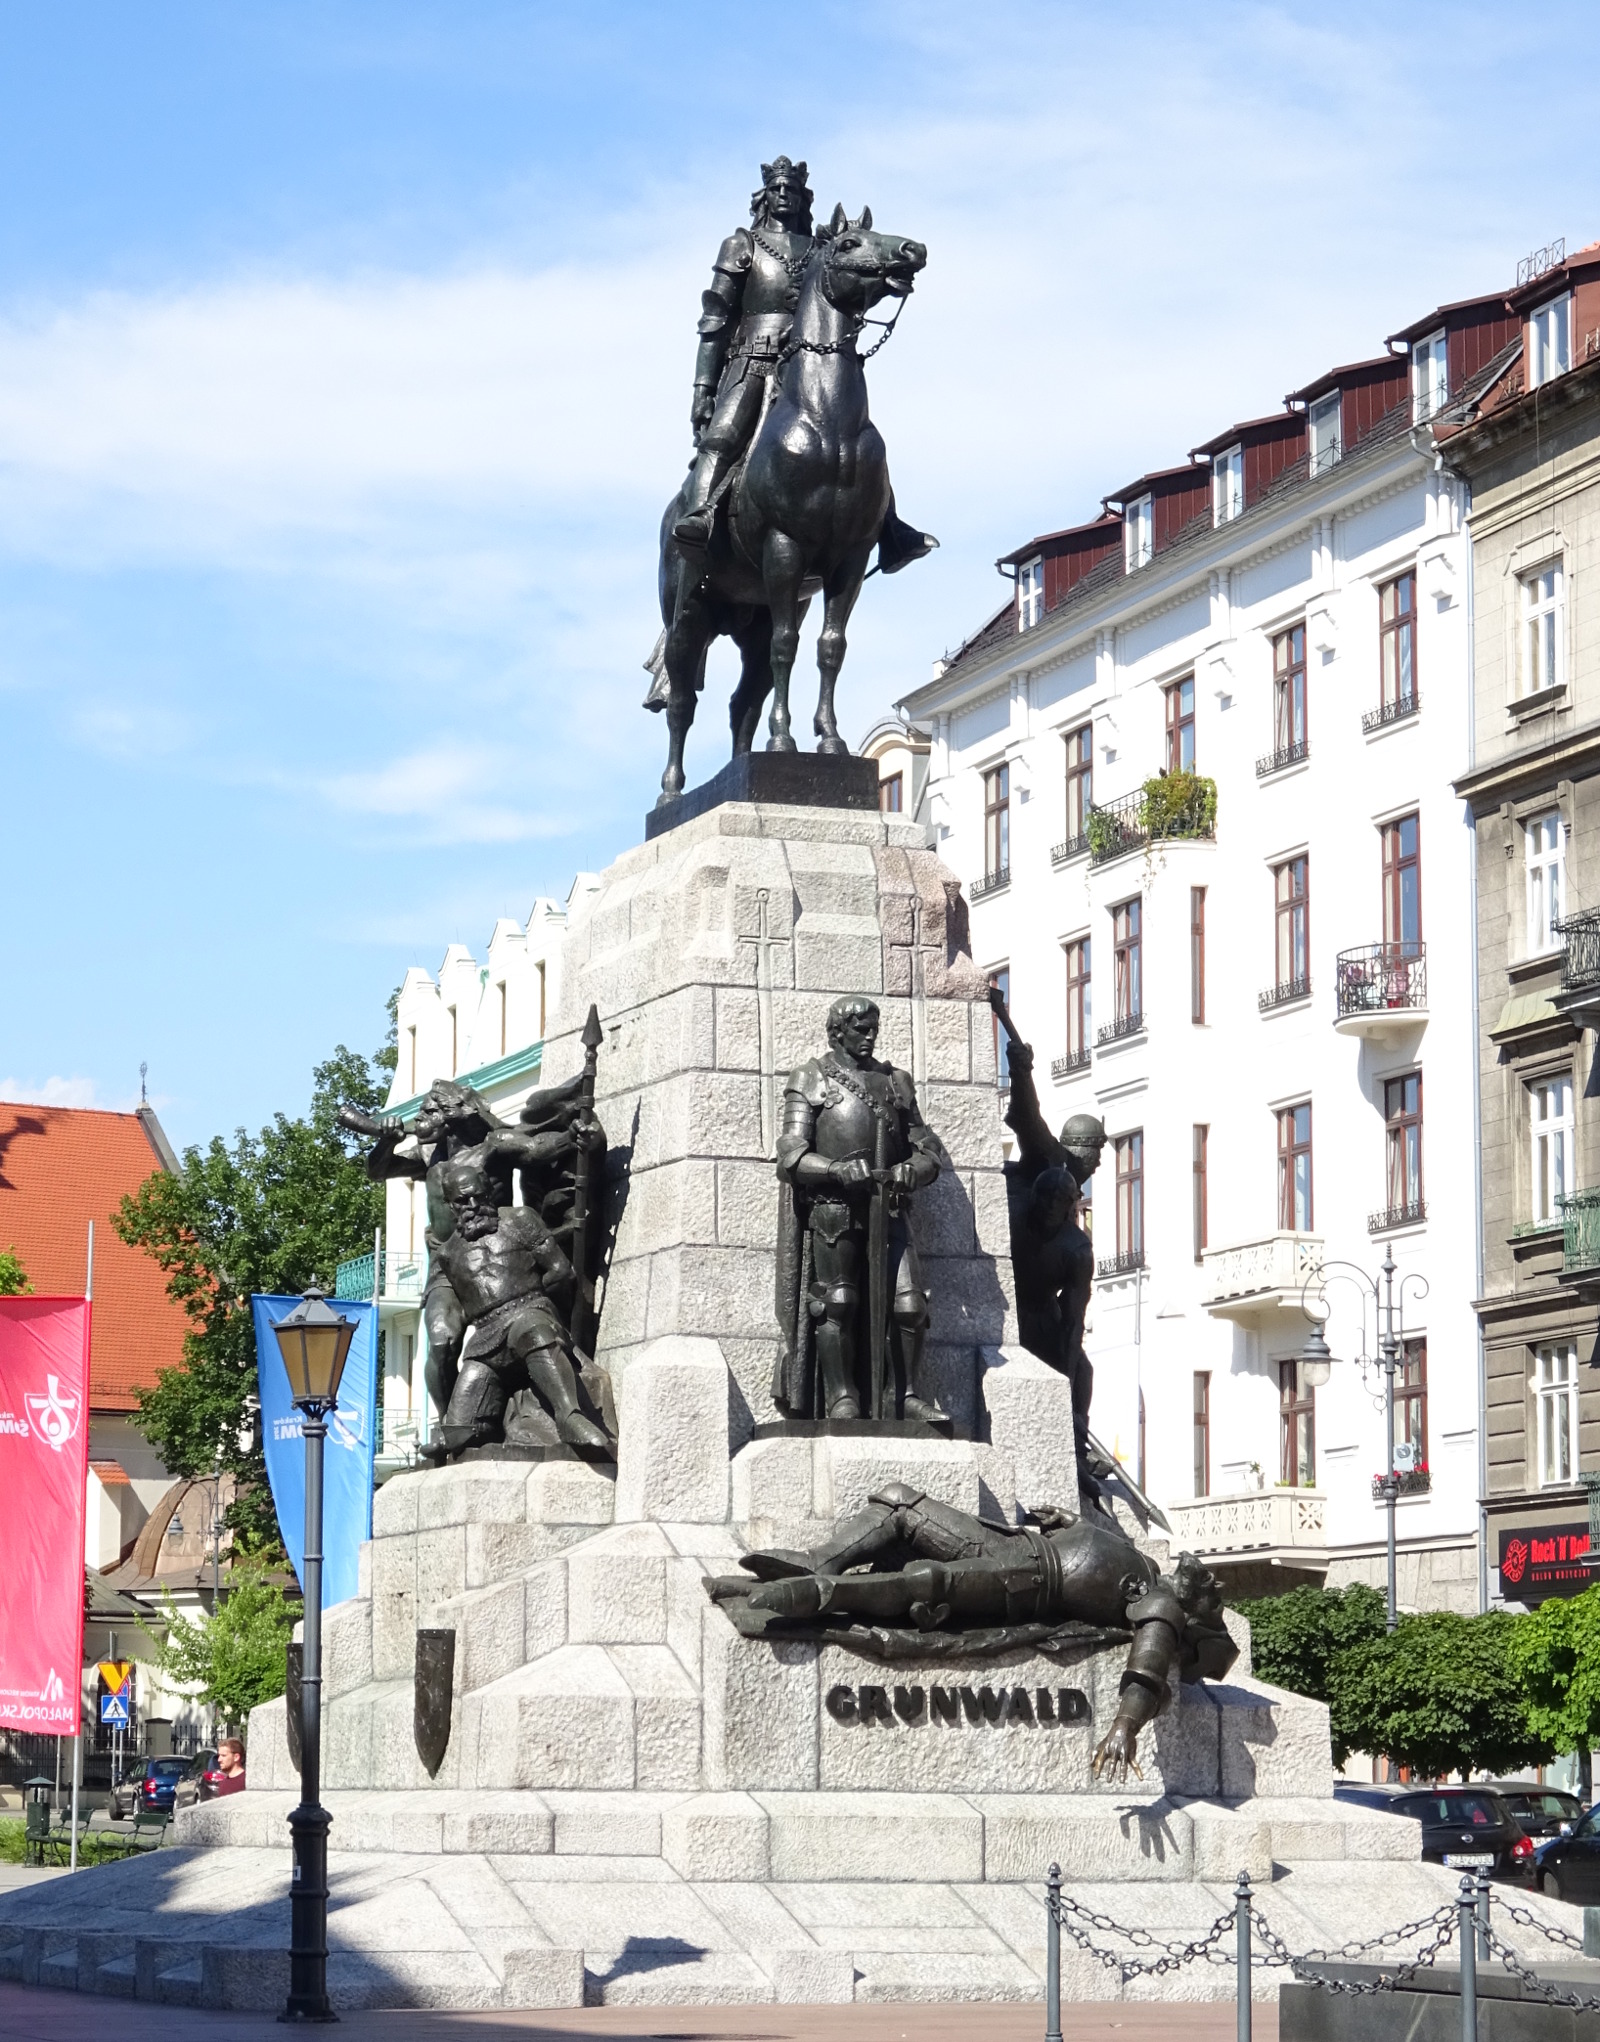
pixel 1541 1560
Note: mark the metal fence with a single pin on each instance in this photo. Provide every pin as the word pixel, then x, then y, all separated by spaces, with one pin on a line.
pixel 1243 1938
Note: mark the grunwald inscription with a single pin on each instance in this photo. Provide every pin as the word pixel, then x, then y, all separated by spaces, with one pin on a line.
pixel 871 1704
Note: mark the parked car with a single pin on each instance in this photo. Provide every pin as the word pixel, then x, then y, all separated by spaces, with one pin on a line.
pixel 123 1799
pixel 192 1783
pixel 159 1787
pixel 1568 1867
pixel 1538 1812
pixel 1458 1824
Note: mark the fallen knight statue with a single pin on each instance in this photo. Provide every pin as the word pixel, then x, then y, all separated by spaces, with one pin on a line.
pixel 914 1580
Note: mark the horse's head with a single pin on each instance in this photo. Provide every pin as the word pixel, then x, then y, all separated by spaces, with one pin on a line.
pixel 859 266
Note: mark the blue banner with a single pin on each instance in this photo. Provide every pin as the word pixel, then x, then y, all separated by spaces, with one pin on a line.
pixel 347 1460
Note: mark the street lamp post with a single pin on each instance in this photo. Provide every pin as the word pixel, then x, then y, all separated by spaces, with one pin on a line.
pixel 313 1341
pixel 1316 1363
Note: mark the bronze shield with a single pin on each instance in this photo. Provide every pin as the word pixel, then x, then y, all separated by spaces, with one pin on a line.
pixel 435 1686
pixel 291 1701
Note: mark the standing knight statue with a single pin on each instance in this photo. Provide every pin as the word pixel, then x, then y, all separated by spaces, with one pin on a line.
pixel 852 1310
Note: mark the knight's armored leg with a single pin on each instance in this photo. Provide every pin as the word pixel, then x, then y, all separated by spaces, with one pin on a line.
pixel 720 446
pixel 912 1319
pixel 899 543
pixel 551 1374
pixel 835 1264
pixel 477 1404
pixel 872 1534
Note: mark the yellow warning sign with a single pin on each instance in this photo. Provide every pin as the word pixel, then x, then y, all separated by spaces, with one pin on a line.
pixel 114 1672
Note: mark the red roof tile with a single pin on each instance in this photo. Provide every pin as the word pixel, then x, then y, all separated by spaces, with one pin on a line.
pixel 61 1167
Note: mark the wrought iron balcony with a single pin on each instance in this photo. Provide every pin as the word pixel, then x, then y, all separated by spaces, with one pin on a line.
pixel 1391 712
pixel 1166 808
pixel 1073 847
pixel 1283 994
pixel 1285 755
pixel 1074 1060
pixel 399 1277
pixel 1381 987
pixel 1393 1216
pixel 1580 964
pixel 1580 1231
pixel 1122 1028
pixel 1126 1263
pixel 991 882
pixel 1407 1482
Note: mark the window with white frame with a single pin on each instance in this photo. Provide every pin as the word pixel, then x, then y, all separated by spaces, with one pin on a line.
pixel 1539 659
pixel 1550 1146
pixel 1429 376
pixel 1550 340
pixel 1227 486
pixel 1030 595
pixel 1555 1390
pixel 1327 440
pixel 1138 534
pixel 1544 851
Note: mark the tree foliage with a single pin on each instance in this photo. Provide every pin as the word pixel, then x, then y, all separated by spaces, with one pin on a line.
pixel 1439 1696
pixel 234 1658
pixel 1555 1653
pixel 13 1277
pixel 273 1212
pixel 1296 1639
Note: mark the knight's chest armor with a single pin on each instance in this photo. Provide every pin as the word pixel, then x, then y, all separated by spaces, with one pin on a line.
pixel 771 285
pixel 846 1122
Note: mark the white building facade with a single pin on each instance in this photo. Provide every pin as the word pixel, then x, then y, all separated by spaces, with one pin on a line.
pixel 483 1024
pixel 1196 777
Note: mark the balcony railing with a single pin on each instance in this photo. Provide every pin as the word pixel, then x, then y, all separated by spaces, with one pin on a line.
pixel 991 882
pixel 401 1277
pixel 1580 1230
pixel 1127 1263
pixel 1283 994
pixel 1259 1276
pixel 1580 960
pixel 1073 847
pixel 1393 1216
pixel 1122 1028
pixel 1074 1060
pixel 1407 1482
pixel 1285 755
pixel 1391 712
pixel 1257 1519
pixel 1166 808
pixel 1379 978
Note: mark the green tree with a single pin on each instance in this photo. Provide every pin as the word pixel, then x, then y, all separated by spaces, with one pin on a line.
pixel 1441 1695
pixel 1296 1639
pixel 1555 1653
pixel 233 1659
pixel 13 1277
pixel 274 1212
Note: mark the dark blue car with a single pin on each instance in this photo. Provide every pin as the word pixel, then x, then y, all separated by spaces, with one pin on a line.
pixel 159 1787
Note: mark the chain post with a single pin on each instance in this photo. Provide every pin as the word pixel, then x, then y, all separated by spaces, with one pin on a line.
pixel 1052 1957
pixel 1241 1902
pixel 1468 1905
pixel 1483 1914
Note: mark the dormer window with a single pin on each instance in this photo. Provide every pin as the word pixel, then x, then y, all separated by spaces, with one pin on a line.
pixel 1227 486
pixel 1550 340
pixel 1138 534
pixel 1430 377
pixel 1327 442
pixel 1030 595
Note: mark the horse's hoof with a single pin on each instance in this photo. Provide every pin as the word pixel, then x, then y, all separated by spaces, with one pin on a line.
pixel 668 796
pixel 833 748
pixel 782 744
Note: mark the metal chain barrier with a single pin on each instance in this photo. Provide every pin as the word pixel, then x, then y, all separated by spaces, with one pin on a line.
pixel 1524 1919
pixel 1535 1987
pixel 1442 1922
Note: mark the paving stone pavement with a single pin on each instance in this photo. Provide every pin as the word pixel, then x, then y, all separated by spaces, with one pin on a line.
pixel 42 2016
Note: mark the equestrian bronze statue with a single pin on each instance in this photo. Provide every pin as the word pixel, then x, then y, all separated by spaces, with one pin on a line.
pixel 789 491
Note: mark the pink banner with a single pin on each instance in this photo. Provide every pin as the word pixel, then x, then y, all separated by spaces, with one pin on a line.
pixel 44 1471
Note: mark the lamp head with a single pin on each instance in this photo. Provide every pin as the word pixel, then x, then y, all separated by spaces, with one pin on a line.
pixel 1316 1360
pixel 314 1340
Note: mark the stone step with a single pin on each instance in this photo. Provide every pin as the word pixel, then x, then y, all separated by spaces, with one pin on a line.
pixel 585 1716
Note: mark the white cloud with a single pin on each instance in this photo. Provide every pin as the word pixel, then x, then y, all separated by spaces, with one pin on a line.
pixel 52 1092
pixel 450 793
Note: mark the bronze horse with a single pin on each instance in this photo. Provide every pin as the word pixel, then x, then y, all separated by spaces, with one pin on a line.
pixel 801 515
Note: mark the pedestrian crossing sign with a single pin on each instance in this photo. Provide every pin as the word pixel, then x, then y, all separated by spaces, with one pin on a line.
pixel 114 1710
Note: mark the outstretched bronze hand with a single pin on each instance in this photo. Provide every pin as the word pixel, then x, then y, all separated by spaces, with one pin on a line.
pixel 1118 1753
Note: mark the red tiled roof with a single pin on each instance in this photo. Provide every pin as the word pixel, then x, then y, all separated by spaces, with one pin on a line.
pixel 61 1167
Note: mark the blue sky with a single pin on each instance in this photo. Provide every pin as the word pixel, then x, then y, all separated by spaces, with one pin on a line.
pixel 344 370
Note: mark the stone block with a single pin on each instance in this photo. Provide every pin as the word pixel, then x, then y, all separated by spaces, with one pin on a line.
pixel 970 1299
pixel 811 1978
pixel 675 1204
pixel 571 1492
pixel 716 1837
pixel 1228 1841
pixel 394 1506
pixel 1272 1742
pixel 721 1113
pixel 616 1598
pixel 666 1717
pixel 1186 1742
pixel 542 1977
pixel 1129 1840
pixel 747 1205
pixel 686 1607
pixel 835 952
pixel 564 1721
pixel 364 1571
pixel 500 1825
pixel 848 1470
pixel 544 1608
pixel 395 1763
pixel 761 1709
pixel 268 1746
pixel 947 1045
pixel 501 1552
pixel 608 1825
pixel 346 1648
pixel 942 1220
pixel 477 1492
pixel 441 1563
pixel 347 1758
pixel 997 1484
pixel 714 1291
pixel 930 1837
pixel 1030 1421
pixel 673 1426
pixel 490 1633
pixel 968 1120
pixel 1239 1631
pixel 738 1025
pixel 772 1485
